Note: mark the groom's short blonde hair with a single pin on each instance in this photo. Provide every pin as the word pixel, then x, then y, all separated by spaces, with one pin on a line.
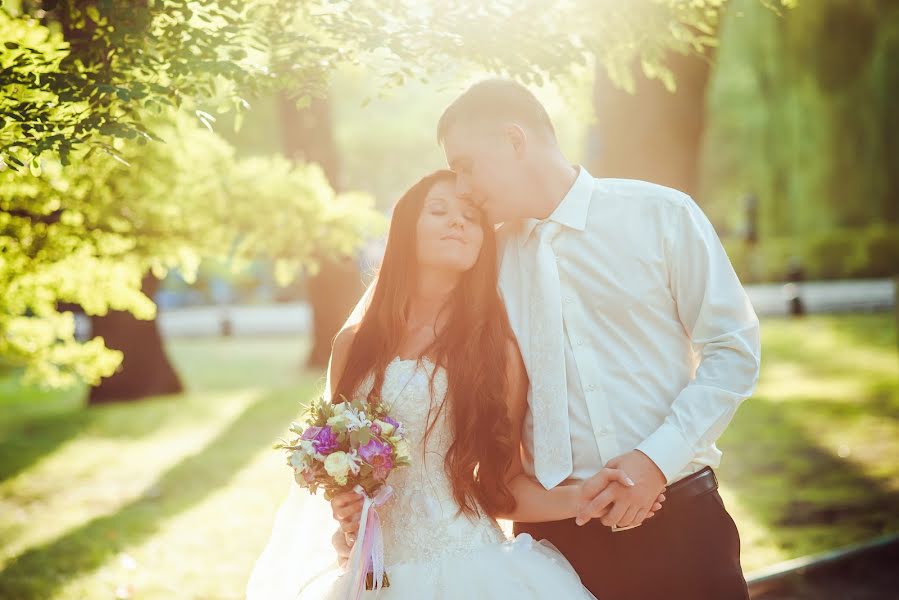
pixel 496 100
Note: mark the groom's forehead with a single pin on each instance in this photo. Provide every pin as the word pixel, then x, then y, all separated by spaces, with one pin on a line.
pixel 455 151
pixel 462 139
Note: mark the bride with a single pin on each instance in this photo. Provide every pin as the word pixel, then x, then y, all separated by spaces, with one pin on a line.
pixel 435 344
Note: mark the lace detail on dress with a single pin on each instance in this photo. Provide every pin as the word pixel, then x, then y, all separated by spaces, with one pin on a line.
pixel 421 521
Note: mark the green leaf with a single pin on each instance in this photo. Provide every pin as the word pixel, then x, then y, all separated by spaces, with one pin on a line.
pixel 205 118
pixel 364 436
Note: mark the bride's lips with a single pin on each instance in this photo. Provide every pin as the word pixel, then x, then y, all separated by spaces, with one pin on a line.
pixel 454 237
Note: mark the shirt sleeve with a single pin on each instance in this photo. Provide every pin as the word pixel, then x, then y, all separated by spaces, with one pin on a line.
pixel 724 333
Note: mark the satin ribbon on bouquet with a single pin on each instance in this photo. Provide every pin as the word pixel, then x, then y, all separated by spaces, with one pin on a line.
pixel 368 552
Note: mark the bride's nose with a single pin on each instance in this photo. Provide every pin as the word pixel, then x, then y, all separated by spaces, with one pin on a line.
pixel 457 221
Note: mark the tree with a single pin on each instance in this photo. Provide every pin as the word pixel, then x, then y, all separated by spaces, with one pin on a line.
pixel 98 84
pixel 307 136
pixel 104 66
pixel 90 232
pixel 800 114
pixel 653 134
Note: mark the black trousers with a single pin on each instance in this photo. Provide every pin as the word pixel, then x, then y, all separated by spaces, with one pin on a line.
pixel 687 551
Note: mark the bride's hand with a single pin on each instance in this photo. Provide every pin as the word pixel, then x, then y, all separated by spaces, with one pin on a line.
pixel 598 493
pixel 347 508
pixel 342 546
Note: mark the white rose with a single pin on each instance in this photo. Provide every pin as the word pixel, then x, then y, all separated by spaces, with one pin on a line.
pixel 338 466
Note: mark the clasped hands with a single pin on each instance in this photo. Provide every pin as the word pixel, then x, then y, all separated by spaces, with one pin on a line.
pixel 626 492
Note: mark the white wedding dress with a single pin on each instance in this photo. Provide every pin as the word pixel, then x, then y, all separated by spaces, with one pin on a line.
pixel 430 550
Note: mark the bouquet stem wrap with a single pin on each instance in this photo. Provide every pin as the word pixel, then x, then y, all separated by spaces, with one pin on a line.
pixel 368 552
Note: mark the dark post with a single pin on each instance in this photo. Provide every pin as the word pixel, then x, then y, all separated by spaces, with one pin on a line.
pixel 751 206
pixel 896 306
pixel 795 275
pixel 226 327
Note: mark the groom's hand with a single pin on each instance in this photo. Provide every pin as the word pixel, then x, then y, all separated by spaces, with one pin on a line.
pixel 347 509
pixel 622 505
pixel 632 507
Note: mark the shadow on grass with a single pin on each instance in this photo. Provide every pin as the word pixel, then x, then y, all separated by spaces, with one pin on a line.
pixel 801 492
pixel 26 438
pixel 34 422
pixel 39 571
pixel 35 438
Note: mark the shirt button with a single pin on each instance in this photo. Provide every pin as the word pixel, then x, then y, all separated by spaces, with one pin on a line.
pixel 580 342
pixel 591 387
pixel 605 431
pixel 568 300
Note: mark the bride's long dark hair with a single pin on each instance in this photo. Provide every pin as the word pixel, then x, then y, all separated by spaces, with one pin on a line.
pixel 471 346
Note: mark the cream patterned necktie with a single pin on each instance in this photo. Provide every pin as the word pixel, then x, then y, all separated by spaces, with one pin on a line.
pixel 549 389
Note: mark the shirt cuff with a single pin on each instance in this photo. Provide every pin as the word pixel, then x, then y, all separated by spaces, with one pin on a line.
pixel 668 449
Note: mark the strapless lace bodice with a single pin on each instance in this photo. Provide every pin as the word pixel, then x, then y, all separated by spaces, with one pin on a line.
pixel 421 520
pixel 431 550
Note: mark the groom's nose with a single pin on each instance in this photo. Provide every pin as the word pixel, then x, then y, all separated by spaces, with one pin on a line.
pixel 463 189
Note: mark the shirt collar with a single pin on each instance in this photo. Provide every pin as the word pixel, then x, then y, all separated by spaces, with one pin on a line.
pixel 571 211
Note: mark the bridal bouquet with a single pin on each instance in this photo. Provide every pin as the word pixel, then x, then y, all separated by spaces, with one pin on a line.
pixel 351 445
pixel 346 445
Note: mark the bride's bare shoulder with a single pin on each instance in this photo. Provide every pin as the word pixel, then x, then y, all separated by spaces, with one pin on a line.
pixel 340 350
pixel 344 339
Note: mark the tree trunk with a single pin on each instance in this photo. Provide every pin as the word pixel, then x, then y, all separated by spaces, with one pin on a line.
pixel 308 137
pixel 145 370
pixel 652 135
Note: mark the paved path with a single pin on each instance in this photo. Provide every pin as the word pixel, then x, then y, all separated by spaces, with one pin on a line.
pixel 872 576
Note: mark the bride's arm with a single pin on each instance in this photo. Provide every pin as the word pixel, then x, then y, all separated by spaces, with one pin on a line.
pixel 534 503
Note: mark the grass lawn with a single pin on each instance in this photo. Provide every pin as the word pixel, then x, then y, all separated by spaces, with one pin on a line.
pixel 173 497
pixel 811 462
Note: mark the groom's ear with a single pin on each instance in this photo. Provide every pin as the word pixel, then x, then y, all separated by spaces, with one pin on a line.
pixel 517 138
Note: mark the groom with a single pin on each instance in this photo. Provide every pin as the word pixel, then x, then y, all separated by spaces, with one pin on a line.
pixel 639 342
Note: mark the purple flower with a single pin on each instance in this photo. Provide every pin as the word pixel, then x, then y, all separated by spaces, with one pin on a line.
pixel 324 440
pixel 392 421
pixel 377 454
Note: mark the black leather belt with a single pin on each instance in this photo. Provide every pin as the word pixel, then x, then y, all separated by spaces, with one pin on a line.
pixel 697 484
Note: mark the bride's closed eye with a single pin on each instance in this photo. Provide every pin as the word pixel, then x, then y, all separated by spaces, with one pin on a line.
pixel 437 207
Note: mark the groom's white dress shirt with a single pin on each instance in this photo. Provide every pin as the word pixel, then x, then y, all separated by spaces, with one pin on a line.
pixel 661 343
